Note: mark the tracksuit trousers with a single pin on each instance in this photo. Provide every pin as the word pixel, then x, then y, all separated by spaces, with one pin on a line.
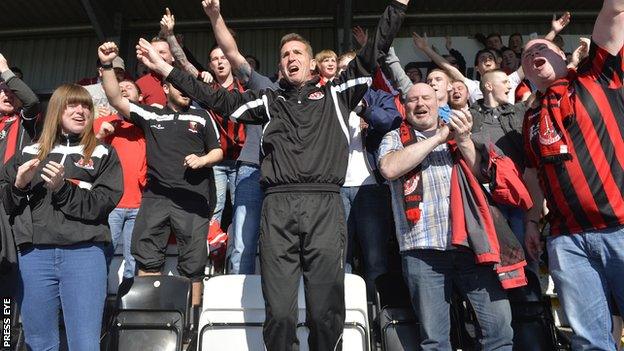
pixel 303 232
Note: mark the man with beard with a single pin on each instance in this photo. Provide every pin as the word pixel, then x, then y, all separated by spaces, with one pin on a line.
pixel 574 141
pixel 150 84
pixel 459 95
pixel 232 135
pixel 181 146
pixel 304 142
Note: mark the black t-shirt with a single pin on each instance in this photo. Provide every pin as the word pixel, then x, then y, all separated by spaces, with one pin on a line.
pixel 170 136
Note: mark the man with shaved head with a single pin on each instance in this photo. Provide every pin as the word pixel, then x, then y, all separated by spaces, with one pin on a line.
pixel 417 158
pixel 574 141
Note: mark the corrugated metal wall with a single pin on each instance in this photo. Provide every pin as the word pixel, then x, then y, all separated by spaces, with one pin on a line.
pixel 262 43
pixel 48 62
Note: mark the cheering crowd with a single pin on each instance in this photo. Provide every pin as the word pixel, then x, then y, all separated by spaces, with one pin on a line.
pixel 335 152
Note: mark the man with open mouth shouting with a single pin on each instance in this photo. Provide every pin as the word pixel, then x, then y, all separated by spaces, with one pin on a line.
pixel 305 139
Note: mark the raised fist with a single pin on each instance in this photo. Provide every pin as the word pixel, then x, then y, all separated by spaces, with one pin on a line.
pixel 107 52
pixel 212 8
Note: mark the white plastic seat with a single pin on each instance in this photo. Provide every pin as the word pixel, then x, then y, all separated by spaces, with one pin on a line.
pixel 233 314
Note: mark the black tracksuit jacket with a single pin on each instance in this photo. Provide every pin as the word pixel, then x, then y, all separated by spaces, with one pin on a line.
pixel 78 211
pixel 305 130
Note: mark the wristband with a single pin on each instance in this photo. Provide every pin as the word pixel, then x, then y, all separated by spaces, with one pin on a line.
pixel 107 66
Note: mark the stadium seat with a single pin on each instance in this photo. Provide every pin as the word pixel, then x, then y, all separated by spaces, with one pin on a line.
pixel 399 328
pixel 233 314
pixel 152 314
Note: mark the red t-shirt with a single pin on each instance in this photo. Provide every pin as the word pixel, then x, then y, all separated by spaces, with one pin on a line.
pixel 129 143
pixel 152 90
pixel 587 192
pixel 522 89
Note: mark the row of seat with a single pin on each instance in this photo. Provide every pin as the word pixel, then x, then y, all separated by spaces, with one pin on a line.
pixel 152 313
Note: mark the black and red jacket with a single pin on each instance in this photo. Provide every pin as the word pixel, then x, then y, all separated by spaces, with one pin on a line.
pixel 75 213
pixel 305 135
pixel 476 221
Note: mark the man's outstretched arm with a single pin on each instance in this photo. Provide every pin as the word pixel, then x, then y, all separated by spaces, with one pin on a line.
pixel 608 33
pixel 107 53
pixel 220 100
pixel 167 23
pixel 226 41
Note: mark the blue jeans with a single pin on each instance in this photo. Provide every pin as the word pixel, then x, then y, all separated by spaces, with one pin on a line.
pixel 121 222
pixel 431 275
pixel 224 175
pixel 587 269
pixel 69 277
pixel 368 213
pixel 246 220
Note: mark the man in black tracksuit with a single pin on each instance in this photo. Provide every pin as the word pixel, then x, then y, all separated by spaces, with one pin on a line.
pixel 305 146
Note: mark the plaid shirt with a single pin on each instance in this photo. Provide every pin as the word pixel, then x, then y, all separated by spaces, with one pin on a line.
pixel 433 229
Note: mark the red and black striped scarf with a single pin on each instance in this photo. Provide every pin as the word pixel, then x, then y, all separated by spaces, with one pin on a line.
pixel 412 180
pixel 556 112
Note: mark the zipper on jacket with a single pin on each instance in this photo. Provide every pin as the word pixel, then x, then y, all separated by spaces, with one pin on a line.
pixel 64 154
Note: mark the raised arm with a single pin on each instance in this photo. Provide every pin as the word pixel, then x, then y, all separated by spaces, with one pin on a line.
pixel 355 79
pixel 167 23
pixel 580 53
pixel 461 61
pixel 107 53
pixel 423 44
pixel 395 164
pixel 608 32
pixel 394 71
pixel 30 102
pixel 225 103
pixel 380 112
pixel 360 34
pixel 557 25
pixel 226 41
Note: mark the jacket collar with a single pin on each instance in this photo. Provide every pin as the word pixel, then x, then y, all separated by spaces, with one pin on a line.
pixel 311 84
pixel 71 139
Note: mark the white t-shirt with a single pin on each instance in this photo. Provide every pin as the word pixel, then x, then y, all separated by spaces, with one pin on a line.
pixel 358 172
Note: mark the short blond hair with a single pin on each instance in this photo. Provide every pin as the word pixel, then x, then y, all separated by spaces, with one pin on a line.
pixel 296 37
pixel 325 54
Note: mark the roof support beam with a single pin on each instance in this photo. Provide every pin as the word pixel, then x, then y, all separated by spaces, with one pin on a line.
pixel 106 24
pixel 344 21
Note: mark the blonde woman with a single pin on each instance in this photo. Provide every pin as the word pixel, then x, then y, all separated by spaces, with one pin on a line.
pixel 326 65
pixel 59 193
